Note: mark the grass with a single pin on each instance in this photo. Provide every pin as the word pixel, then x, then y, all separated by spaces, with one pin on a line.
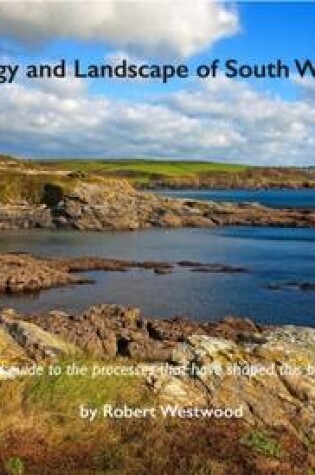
pixel 262 443
pixel 15 466
pixel 27 184
pixel 42 419
pixel 24 181
pixel 180 174
pixel 161 167
pixel 10 351
pixel 63 394
pixel 142 172
pixel 16 186
pixel 41 432
pixel 34 185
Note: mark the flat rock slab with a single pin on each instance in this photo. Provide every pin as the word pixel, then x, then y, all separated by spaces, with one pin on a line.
pixel 25 273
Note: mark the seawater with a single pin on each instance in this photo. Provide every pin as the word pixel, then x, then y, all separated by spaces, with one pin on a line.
pixel 272 198
pixel 271 255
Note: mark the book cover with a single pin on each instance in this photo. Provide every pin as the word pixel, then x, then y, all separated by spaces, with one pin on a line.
pixel 157 245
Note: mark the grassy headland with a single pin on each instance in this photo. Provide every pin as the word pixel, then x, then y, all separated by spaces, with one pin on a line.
pixel 153 174
pixel 29 182
pixel 99 195
pixel 22 180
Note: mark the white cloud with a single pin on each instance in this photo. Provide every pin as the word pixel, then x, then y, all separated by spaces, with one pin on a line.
pixel 66 87
pixel 158 27
pixel 218 119
pixel 307 87
pixel 275 131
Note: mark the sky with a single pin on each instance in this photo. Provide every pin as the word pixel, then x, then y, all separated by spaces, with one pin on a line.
pixel 257 121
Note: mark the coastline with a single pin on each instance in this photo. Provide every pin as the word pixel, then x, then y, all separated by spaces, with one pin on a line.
pixel 33 195
pixel 218 377
pixel 248 385
pixel 118 206
pixel 237 186
pixel 271 403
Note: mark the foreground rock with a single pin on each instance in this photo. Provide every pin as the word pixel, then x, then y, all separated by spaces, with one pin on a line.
pixel 265 373
pixel 23 343
pixel 109 331
pixel 111 204
pixel 271 377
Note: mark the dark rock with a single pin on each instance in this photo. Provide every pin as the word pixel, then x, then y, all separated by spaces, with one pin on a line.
pixel 162 271
pixel 307 286
pixel 218 268
pixel 189 264
pixel 293 285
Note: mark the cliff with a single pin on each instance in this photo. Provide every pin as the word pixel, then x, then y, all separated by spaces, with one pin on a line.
pixel 112 204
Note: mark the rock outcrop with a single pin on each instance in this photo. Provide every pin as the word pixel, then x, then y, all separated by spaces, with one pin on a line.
pixel 111 204
pixel 23 343
pixel 25 273
pixel 108 331
pixel 267 373
pixel 304 286
pixel 271 377
pixel 123 208
pixel 25 217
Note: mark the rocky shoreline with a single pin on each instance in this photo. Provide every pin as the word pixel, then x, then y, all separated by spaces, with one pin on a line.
pixel 26 273
pixel 116 205
pixel 108 332
pixel 268 371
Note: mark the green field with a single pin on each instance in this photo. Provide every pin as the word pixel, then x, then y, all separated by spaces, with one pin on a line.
pixel 24 177
pixel 189 174
pixel 146 172
pixel 159 167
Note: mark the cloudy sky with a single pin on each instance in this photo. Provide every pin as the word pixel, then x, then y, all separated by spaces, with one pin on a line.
pixel 254 121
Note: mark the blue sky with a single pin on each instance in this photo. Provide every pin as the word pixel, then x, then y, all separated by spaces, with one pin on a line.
pixel 267 31
pixel 253 121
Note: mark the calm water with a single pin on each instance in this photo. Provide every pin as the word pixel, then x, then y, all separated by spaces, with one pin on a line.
pixel 272 198
pixel 272 255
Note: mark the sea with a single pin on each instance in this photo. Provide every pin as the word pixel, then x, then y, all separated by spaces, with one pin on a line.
pixel 273 258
